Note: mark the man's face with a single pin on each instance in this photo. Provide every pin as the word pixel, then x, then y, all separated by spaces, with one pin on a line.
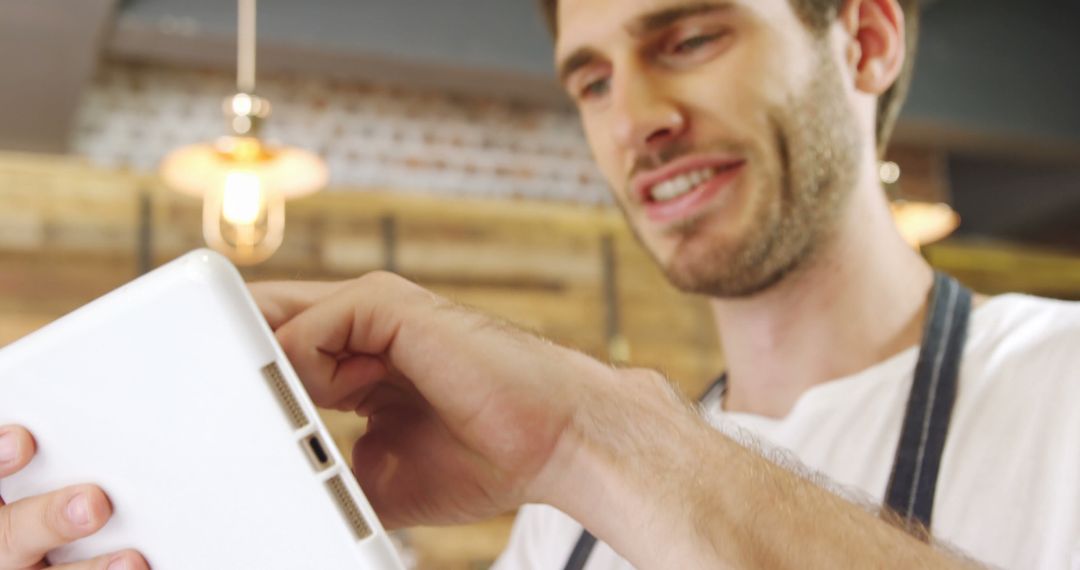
pixel 723 128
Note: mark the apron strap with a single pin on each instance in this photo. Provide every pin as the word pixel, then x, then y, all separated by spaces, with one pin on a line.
pixel 582 549
pixel 926 422
pixel 929 408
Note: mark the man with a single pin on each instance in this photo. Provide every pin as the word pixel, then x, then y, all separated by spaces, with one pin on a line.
pixel 787 105
pixel 740 138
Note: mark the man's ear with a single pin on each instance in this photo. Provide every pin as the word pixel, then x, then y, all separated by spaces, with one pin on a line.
pixel 874 30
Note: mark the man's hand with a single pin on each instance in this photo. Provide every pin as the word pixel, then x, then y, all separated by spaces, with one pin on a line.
pixel 466 415
pixel 31 527
pixel 469 417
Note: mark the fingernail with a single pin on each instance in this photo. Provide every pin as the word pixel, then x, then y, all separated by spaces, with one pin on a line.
pixel 118 564
pixel 9 447
pixel 78 510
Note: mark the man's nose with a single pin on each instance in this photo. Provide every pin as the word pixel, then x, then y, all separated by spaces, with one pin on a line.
pixel 646 119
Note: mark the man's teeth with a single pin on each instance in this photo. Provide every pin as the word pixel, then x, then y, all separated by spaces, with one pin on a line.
pixel 681 184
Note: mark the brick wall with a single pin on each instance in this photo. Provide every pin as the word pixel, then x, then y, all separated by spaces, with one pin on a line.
pixel 370 135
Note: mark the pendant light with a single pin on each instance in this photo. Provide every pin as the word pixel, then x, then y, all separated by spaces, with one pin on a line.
pixel 243 180
pixel 920 222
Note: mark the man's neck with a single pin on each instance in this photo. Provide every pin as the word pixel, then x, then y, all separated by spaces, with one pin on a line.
pixel 859 300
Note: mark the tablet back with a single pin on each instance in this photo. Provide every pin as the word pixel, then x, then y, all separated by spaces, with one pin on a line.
pixel 172 394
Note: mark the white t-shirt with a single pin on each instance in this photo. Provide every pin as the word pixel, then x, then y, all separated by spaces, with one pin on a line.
pixel 1008 491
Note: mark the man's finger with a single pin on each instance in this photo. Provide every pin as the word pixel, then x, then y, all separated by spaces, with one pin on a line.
pixel 354 379
pixel 126 560
pixel 454 358
pixel 16 450
pixel 280 301
pixel 351 380
pixel 31 527
pixel 343 323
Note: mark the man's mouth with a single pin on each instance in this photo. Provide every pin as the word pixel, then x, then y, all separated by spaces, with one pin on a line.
pixel 682 188
pixel 679 185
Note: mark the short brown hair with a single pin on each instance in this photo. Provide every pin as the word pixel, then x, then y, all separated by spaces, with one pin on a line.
pixel 818 15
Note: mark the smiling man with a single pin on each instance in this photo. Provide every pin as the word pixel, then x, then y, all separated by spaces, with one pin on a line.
pixel 725 129
pixel 741 139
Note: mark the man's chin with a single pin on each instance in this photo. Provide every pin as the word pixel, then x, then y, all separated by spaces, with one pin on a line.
pixel 723 270
pixel 685 229
pixel 699 257
pixel 723 286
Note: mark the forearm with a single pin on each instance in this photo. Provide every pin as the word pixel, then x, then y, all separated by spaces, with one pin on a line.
pixel 651 478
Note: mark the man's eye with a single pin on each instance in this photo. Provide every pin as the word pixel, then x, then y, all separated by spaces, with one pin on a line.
pixel 596 88
pixel 693 43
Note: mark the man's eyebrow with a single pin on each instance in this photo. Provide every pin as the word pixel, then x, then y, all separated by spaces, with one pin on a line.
pixel 578 59
pixel 644 24
pixel 663 18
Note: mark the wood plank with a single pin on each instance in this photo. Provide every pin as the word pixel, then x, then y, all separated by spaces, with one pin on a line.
pixel 992 268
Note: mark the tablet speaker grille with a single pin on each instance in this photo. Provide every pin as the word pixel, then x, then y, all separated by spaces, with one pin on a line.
pixel 285 395
pixel 348 507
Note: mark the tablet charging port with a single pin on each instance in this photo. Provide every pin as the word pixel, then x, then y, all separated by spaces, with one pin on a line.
pixel 316 452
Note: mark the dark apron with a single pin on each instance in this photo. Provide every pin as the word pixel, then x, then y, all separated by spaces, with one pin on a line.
pixel 926 421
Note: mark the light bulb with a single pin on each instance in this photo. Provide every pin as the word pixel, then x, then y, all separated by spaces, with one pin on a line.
pixel 243 199
pixel 889 172
pixel 244 218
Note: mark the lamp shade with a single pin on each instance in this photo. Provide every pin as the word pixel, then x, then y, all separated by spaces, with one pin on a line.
pixel 243 184
pixel 197 169
pixel 923 223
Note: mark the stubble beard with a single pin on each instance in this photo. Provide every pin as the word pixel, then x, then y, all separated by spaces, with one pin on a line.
pixel 815 153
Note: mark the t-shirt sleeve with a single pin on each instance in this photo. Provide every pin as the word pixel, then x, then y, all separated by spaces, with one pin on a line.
pixel 541 539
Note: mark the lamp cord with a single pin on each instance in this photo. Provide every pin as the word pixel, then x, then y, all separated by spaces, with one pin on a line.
pixel 245 47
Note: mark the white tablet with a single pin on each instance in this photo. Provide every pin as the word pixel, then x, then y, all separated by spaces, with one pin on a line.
pixel 173 395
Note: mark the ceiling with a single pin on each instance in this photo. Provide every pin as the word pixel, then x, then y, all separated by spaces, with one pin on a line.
pixel 48 52
pixel 993 87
